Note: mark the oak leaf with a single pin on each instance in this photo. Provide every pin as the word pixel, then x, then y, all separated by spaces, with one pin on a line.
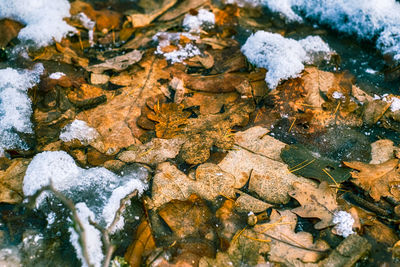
pixel 380 180
pixel 287 246
pixel 316 202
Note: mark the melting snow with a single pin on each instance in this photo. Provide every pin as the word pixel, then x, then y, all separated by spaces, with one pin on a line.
pixel 344 223
pixel 204 18
pixel 79 130
pixel 15 105
pixel 337 95
pixel 283 57
pixel 56 75
pixel 96 191
pixel 372 20
pixel 183 52
pixel 43 19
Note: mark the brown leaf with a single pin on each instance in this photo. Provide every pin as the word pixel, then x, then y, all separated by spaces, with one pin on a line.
pixel 210 103
pixel 230 222
pixel 171 119
pixel 9 29
pixel 11 181
pixel 316 202
pixel 142 20
pixel 182 8
pixel 142 244
pixel 380 180
pixel 117 63
pixel 288 247
pixel 188 218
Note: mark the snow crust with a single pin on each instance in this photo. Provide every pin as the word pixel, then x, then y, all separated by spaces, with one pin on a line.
pixel 79 130
pixel 378 21
pixel 343 223
pixel 43 19
pixel 96 193
pixel 283 57
pixel 15 105
pixel 204 18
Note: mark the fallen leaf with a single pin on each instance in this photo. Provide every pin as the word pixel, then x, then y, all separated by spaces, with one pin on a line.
pixel 11 181
pixel 153 152
pixel 143 243
pixel 247 203
pixel 316 202
pixel 208 182
pixel 9 29
pixel 380 180
pixel 187 218
pixel 142 20
pixel 287 246
pixel 171 119
pixel 117 63
pixel 382 151
pixel 229 223
pixel 210 103
pixel 181 9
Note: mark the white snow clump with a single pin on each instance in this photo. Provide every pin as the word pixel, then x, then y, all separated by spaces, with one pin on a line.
pixel 79 130
pixel 343 223
pixel 183 52
pixel 43 19
pixel 372 20
pixel 97 193
pixel 283 57
pixel 204 18
pixel 56 75
pixel 15 105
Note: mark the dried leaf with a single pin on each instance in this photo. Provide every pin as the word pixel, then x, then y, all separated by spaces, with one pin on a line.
pixel 143 243
pixel 247 203
pixel 380 180
pixel 9 29
pixel 316 202
pixel 210 103
pixel 171 119
pixel 142 20
pixel 182 8
pixel 11 181
pixel 117 63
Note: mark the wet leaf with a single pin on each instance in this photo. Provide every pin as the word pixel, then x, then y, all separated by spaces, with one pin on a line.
pixel 182 8
pixel 11 181
pixel 141 246
pixel 303 162
pixel 316 202
pixel 230 222
pixel 9 29
pixel 380 180
pixel 288 247
pixel 142 20
pixel 210 103
pixel 171 119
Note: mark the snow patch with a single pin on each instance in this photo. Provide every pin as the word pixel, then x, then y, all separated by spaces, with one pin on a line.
pixel 395 106
pixel 337 95
pixel 92 236
pixel 79 130
pixel 378 21
pixel 97 193
pixel 43 19
pixel 283 57
pixel 15 105
pixel 88 24
pixel 56 75
pixel 204 18
pixel 182 52
pixel 343 223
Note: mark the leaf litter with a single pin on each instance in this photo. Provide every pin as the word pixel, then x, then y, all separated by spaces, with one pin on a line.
pixel 240 174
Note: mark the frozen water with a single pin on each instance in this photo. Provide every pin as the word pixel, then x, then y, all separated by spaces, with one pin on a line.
pixel 15 105
pixel 97 192
pixel 43 19
pixel 204 18
pixel 283 57
pixel 343 223
pixel 373 20
pixel 78 130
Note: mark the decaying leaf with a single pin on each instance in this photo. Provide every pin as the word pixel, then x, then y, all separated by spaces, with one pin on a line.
pixel 210 103
pixel 143 243
pixel 181 9
pixel 288 247
pixel 230 222
pixel 380 180
pixel 171 119
pixel 117 63
pixel 11 181
pixel 9 29
pixel 316 202
pixel 247 203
